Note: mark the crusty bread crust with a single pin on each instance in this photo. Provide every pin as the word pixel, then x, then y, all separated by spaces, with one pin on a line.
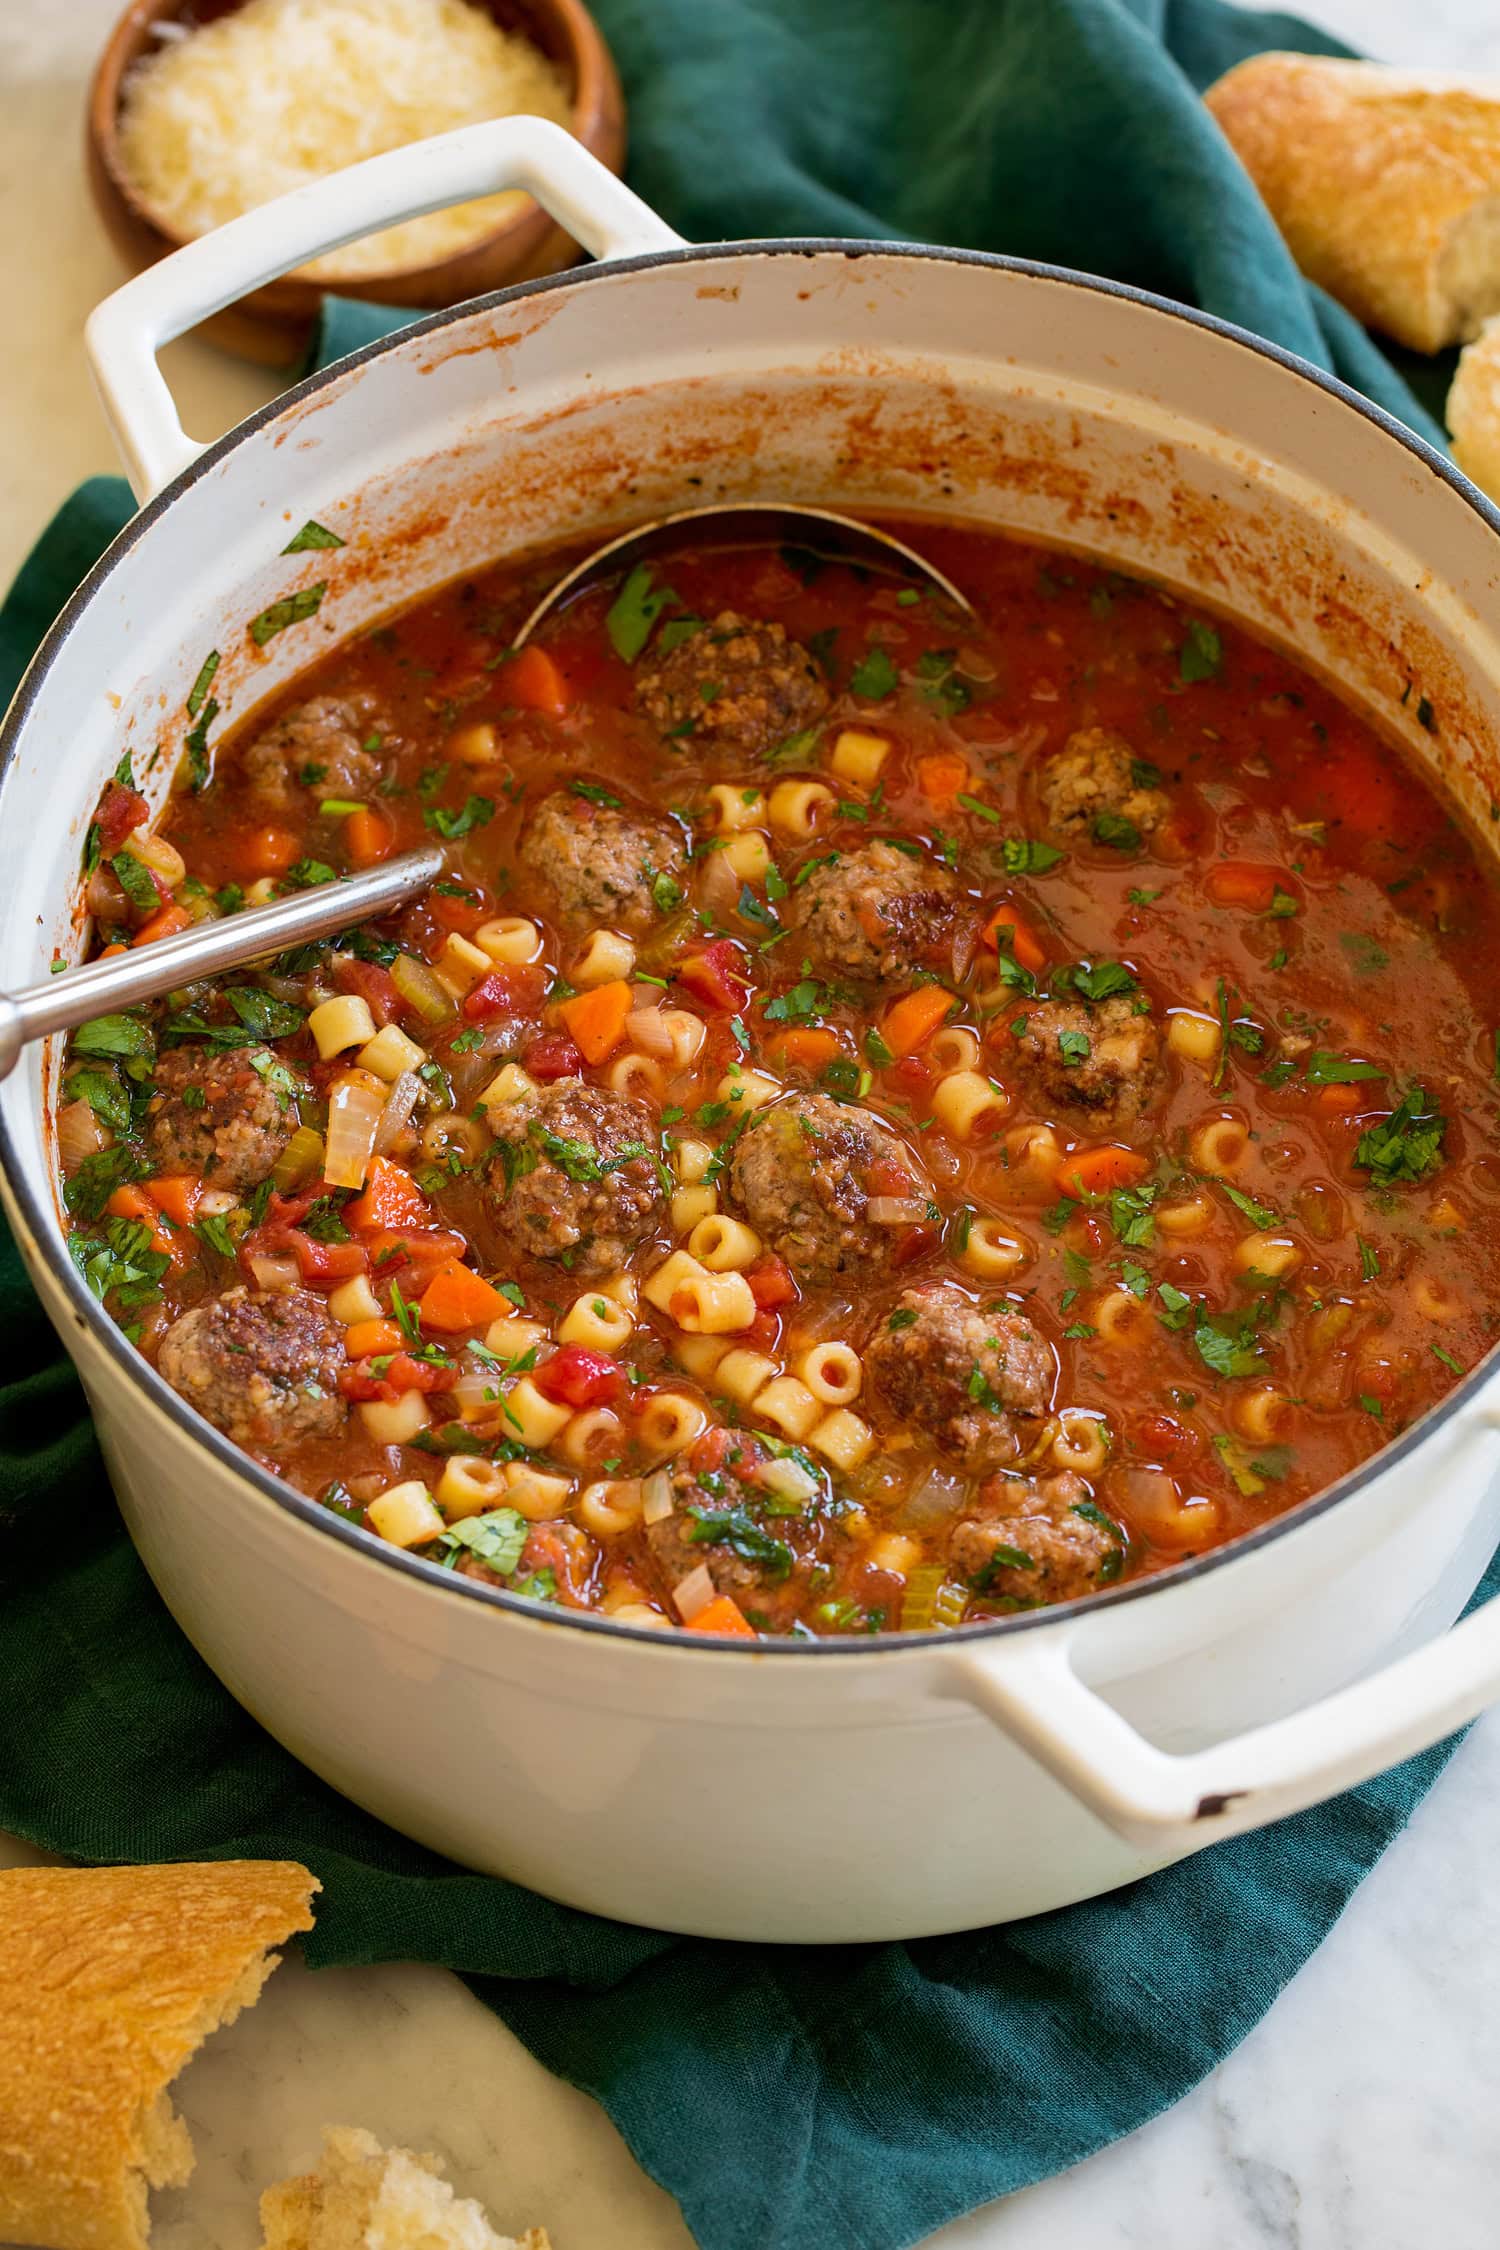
pixel 1474 410
pixel 110 1979
pixel 365 2197
pixel 1379 179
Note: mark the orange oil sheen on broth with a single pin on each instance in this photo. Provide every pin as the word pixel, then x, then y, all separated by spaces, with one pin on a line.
pixel 1267 1284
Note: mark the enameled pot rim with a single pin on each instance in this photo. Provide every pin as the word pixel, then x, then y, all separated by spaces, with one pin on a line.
pixel 41 1218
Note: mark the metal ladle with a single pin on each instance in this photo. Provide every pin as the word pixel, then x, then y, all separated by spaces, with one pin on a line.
pixel 75 996
pixel 819 531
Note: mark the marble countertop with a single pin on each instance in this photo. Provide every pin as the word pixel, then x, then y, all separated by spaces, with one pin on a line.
pixel 1360 2115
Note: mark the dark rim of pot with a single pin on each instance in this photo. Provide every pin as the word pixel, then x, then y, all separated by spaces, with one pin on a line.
pixel 41 1216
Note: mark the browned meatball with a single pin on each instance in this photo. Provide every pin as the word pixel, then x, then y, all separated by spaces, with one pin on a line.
pixel 604 861
pixel 972 1380
pixel 876 913
pixel 736 684
pixel 574 1176
pixel 805 1171
pixel 214 1114
pixel 261 1365
pixel 317 747
pixel 1096 786
pixel 719 1521
pixel 1035 1542
pixel 1101 1063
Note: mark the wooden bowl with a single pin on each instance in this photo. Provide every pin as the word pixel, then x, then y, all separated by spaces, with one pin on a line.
pixel 274 325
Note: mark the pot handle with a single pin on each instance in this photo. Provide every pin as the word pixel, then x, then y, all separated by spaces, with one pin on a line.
pixel 124 334
pixel 1170 1803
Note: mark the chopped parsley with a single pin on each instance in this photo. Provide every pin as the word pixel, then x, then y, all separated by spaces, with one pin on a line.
pixel 1407 1145
pixel 1024 855
pixel 312 535
pixel 477 813
pixel 874 676
pixel 1201 656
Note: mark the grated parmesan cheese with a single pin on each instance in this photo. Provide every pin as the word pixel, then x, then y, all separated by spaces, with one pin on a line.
pixel 284 91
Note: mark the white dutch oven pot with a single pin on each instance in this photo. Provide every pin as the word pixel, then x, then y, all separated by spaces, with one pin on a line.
pixel 848 1790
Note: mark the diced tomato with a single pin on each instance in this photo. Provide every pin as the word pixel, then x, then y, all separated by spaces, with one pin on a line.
pixel 1166 1437
pixel 121 812
pixel 771 1283
pixel 763 1333
pixel 460 910
pixel 374 987
pixel 885 1177
pixel 495 995
pixel 400 1373
pixel 914 1243
pixel 715 975
pixel 576 1376
pixel 552 1054
pixel 325 1261
pixel 1242 882
pixel 709 1453
pixel 914 1072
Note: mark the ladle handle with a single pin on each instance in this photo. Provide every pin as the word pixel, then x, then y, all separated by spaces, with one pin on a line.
pixel 77 995
pixel 125 333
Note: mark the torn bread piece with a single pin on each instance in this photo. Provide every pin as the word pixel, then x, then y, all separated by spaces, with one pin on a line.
pixel 1385 183
pixel 111 1978
pixel 1473 410
pixel 365 2197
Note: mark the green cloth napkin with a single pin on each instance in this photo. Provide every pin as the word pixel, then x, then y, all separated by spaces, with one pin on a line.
pixel 835 2099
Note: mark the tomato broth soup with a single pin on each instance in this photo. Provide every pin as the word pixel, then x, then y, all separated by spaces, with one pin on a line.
pixel 890 1117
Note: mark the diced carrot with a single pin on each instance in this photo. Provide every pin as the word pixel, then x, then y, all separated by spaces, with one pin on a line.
pixel 391 1198
pixel 534 682
pixel 1339 1101
pixel 908 1023
pixel 596 1019
pixel 165 922
pixel 457 1298
pixel 267 851
pixel 808 1049
pixel 106 952
pixel 941 776
pixel 363 1339
pixel 1242 882
pixel 1095 1171
pixel 130 1202
pixel 724 1615
pixel 1023 943
pixel 176 1195
pixel 369 836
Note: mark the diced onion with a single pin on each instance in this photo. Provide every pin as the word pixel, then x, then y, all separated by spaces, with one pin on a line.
pixel 788 1479
pixel 275 1274
pixel 895 1211
pixel 355 1106
pixel 476 1394
pixel 299 1159
pixel 933 1498
pixel 656 1497
pixel 420 989
pixel 694 1593
pixel 79 1133
pixel 648 1030
pixel 718 886
pixel 399 1104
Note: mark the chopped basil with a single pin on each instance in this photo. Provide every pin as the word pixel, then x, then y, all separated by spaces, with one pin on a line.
pixel 135 882
pixel 1259 1214
pixel 1327 1069
pixel 198 692
pixel 1113 829
pixel 595 793
pixel 634 612
pixel 312 535
pixel 292 609
pixel 114 1035
pixel 1201 656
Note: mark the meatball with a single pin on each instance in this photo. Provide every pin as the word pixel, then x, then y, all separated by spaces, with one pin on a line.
pixel 804 1172
pixel 215 1115
pixel 1102 1063
pixel 574 1176
pixel 261 1365
pixel 719 1521
pixel 1032 1543
pixel 1096 786
pixel 603 861
pixel 736 684
pixel 318 746
pixel 971 1380
pixel 876 913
